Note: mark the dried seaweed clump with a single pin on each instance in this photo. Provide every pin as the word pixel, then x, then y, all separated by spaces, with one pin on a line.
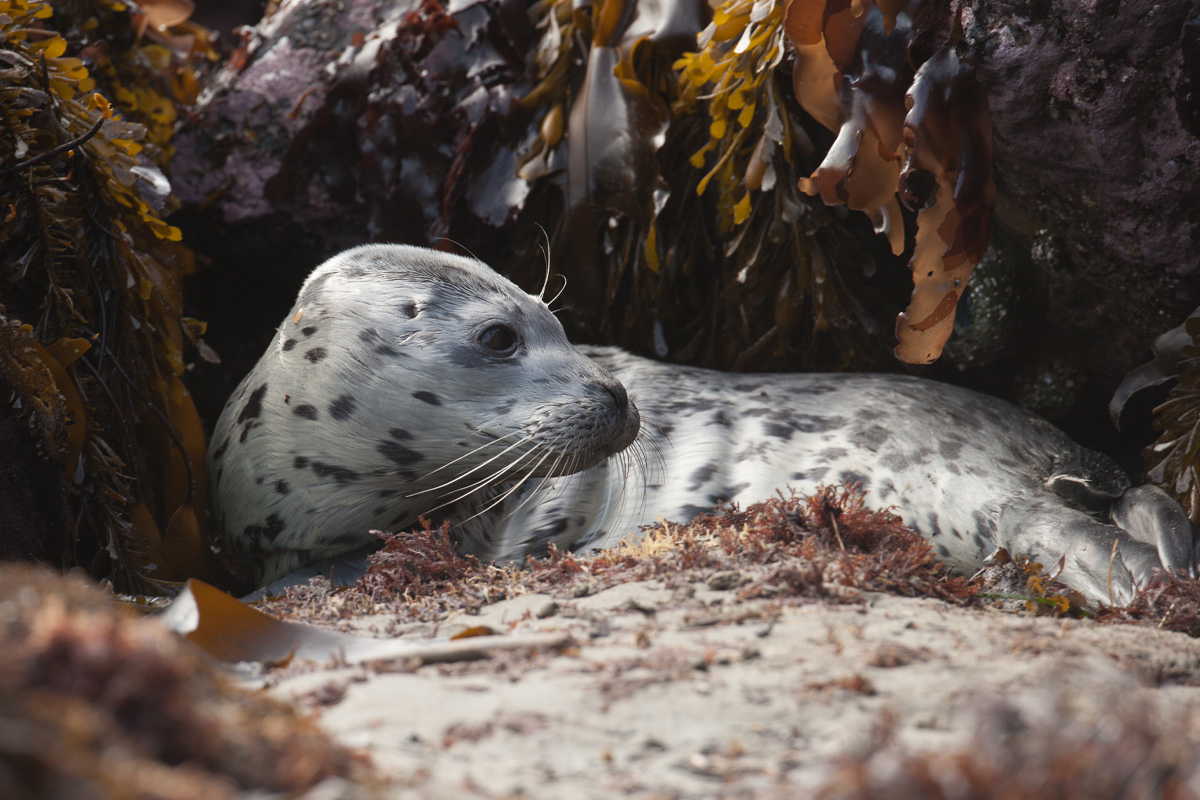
pixel 827 546
pixel 1167 602
pixel 91 334
pixel 97 704
pixel 1127 750
pixel 851 74
pixel 420 562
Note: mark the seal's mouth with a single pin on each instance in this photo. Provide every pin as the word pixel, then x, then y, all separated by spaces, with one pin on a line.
pixel 631 428
pixel 618 429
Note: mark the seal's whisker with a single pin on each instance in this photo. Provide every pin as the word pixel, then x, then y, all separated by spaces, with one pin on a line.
pixel 546 253
pixel 494 441
pixel 476 468
pixel 491 479
pixel 560 291
pixel 508 492
pixel 455 500
pixel 551 473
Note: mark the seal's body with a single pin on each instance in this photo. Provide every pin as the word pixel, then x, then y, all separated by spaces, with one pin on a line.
pixel 409 383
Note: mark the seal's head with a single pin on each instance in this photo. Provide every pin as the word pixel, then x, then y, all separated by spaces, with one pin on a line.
pixel 403 382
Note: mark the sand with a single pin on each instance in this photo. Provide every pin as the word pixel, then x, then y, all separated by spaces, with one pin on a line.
pixel 694 692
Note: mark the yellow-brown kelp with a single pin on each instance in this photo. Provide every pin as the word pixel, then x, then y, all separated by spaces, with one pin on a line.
pixel 850 75
pixel 92 336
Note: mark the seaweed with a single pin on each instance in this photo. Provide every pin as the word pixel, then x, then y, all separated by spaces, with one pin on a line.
pixel 850 66
pixel 99 703
pixel 853 63
pixel 1173 461
pixel 1116 747
pixel 93 338
pixel 825 547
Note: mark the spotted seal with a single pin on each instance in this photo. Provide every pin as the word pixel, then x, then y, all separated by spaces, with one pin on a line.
pixel 407 382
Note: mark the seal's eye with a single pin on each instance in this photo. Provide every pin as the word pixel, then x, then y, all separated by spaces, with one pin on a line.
pixel 499 338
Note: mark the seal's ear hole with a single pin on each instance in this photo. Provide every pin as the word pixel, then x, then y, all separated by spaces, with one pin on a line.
pixel 408 308
pixel 498 338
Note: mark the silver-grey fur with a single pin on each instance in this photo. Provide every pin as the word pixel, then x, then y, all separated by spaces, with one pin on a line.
pixel 377 404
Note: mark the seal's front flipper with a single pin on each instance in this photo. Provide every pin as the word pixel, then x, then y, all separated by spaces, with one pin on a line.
pixel 1150 515
pixel 1103 562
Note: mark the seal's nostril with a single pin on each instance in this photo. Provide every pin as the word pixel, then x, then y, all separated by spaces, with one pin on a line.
pixel 617 392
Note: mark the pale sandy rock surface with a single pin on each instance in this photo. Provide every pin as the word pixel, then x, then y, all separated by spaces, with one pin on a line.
pixel 692 693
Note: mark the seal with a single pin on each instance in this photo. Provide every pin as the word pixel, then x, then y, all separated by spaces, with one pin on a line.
pixel 408 383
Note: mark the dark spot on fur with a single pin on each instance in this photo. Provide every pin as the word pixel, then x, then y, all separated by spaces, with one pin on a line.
pixel 814 475
pixel 870 414
pixel 943 551
pixel 268 530
pixel 807 423
pixel 983 524
pixel 379 511
pixel 372 337
pixel 385 493
pixel 731 492
pixel 504 409
pixel 245 432
pixel 220 451
pixel 894 462
pixel 778 431
pixel 341 408
pixel 254 405
pixel 702 476
pixel 873 437
pixel 428 397
pixel 300 462
pixel 281 486
pixel 849 476
pixel 306 411
pixel 309 331
pixel 688 512
pixel 341 475
pixel 398 454
pixel 289 344
pixel 409 309
pixel 316 354
pixel 950 450
pixel 259 480
pixel 399 433
pixel 719 418
pixel 831 454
